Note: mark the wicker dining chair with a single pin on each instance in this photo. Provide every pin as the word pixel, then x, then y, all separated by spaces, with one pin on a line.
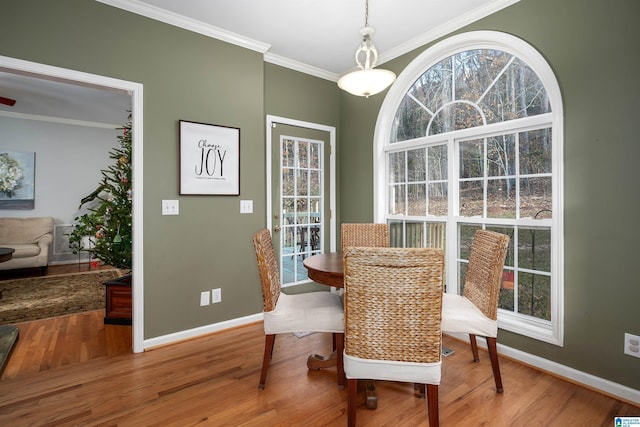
pixel 393 302
pixel 364 234
pixel 307 312
pixel 476 311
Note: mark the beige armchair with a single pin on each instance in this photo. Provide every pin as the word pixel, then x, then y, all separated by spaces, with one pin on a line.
pixel 30 238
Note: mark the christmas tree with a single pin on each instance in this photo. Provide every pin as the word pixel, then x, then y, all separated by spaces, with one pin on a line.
pixel 108 222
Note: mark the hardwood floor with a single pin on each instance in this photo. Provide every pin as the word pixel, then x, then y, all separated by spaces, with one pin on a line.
pixel 213 380
pixel 65 340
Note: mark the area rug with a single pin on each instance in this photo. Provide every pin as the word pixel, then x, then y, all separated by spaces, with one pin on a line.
pixel 35 298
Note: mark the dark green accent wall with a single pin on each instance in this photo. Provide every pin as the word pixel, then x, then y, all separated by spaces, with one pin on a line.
pixel 591 46
pixel 593 49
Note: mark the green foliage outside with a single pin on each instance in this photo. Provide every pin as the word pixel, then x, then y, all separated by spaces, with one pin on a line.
pixel 108 222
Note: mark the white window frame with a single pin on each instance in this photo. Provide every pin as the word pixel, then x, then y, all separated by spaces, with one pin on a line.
pixel 547 331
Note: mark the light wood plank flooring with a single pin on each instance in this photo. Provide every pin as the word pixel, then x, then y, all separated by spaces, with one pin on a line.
pixel 65 340
pixel 213 380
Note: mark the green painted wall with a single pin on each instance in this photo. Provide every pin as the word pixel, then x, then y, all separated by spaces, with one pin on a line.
pixel 185 76
pixel 592 48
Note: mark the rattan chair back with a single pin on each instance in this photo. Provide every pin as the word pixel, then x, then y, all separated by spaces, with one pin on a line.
pixel 364 234
pixel 393 303
pixel 268 268
pixel 484 273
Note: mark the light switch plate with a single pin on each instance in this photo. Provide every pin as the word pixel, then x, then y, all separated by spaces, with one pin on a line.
pixel 170 207
pixel 246 206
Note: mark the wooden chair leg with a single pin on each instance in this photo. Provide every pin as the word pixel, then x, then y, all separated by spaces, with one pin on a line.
pixel 419 390
pixel 272 346
pixel 493 355
pixel 339 341
pixel 432 405
pixel 474 347
pixel 352 400
pixel 268 352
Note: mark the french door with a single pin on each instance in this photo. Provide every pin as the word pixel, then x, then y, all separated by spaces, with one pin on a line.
pixel 300 195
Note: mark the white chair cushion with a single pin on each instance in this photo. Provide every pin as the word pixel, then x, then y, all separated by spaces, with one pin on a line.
pixel 313 311
pixel 461 315
pixel 387 370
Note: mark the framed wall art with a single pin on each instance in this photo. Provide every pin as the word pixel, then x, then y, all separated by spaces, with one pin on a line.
pixel 17 179
pixel 209 159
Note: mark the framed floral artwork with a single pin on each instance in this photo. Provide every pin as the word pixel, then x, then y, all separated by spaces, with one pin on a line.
pixel 17 179
pixel 209 159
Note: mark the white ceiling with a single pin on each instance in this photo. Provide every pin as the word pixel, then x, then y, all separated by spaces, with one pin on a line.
pixel 318 37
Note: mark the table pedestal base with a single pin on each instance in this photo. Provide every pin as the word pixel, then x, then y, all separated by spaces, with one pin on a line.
pixel 315 362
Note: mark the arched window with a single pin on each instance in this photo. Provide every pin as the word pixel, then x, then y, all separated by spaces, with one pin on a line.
pixel 468 137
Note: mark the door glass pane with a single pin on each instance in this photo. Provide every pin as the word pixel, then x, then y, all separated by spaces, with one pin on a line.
pixel 301 205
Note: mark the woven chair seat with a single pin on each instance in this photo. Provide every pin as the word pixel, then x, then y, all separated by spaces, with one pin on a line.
pixel 313 311
pixel 392 309
pixel 476 312
pixel 460 315
pixel 307 312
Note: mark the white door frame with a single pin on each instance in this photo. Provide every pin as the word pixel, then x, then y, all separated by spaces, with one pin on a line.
pixel 48 72
pixel 271 120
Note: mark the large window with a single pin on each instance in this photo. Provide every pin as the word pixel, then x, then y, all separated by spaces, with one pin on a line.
pixel 470 136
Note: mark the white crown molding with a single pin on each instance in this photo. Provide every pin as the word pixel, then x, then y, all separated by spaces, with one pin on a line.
pixel 196 26
pixel 299 66
pixel 448 27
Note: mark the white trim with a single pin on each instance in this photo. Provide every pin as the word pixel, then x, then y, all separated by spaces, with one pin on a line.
pixel 299 66
pixel 271 120
pixel 447 28
pixel 60 120
pixel 590 381
pixel 181 21
pixel 202 330
pixel 135 89
pixel 518 47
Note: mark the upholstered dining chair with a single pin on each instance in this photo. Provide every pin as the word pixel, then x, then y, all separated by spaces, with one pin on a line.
pixel 476 311
pixel 364 234
pixel 392 308
pixel 307 312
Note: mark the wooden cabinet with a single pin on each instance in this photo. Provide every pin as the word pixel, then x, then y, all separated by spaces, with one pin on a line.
pixel 118 301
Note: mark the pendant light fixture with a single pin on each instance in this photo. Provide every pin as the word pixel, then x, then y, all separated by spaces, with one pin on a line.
pixel 366 80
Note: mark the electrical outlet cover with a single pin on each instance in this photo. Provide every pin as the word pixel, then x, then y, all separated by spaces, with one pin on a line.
pixel 204 298
pixel 632 345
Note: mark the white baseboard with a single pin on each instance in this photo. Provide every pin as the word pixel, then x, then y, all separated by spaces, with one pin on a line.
pixel 591 381
pixel 202 330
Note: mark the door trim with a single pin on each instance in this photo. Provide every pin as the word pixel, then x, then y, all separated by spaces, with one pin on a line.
pixel 43 71
pixel 271 120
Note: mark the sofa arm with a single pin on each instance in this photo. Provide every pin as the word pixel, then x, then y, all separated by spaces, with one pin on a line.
pixel 44 241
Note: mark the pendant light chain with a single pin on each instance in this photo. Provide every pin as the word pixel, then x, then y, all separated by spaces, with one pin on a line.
pixel 366 13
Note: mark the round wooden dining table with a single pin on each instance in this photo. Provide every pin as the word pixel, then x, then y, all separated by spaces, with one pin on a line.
pixel 326 269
